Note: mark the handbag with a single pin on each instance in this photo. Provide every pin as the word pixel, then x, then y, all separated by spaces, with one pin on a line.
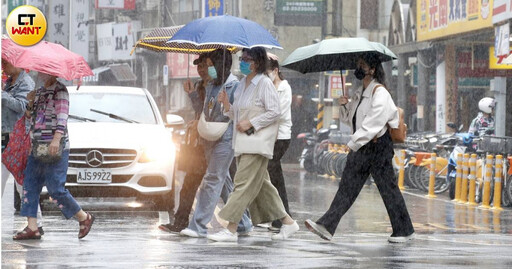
pixel 191 157
pixel 262 141
pixel 16 152
pixel 210 130
pixel 41 150
pixel 398 134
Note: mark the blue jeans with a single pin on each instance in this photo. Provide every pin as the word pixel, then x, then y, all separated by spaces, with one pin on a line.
pixel 53 175
pixel 216 183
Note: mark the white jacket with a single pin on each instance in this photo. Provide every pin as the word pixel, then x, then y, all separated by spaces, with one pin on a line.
pixel 372 116
pixel 284 91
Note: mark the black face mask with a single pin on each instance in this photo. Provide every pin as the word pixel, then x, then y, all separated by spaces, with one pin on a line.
pixel 359 73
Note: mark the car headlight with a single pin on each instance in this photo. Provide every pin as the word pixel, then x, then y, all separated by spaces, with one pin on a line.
pixel 158 153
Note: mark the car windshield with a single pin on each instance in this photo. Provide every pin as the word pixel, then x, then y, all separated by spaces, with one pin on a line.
pixel 129 106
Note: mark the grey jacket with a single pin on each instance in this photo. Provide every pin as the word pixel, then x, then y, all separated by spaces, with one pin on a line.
pixel 14 100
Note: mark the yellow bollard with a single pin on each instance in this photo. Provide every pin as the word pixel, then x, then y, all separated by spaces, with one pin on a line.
pixel 401 172
pixel 458 179
pixel 497 183
pixel 472 179
pixel 487 182
pixel 465 174
pixel 432 181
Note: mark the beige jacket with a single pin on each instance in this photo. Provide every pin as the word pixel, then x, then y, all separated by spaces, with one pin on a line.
pixel 372 116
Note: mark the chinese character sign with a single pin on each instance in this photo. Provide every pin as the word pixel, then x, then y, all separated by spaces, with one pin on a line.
pixel 58 22
pixel 79 28
pixel 440 18
pixel 213 8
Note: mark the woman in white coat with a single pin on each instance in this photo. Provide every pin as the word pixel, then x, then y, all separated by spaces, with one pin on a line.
pixel 371 150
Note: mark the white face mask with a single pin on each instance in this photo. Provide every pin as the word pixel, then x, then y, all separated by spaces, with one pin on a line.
pixel 272 76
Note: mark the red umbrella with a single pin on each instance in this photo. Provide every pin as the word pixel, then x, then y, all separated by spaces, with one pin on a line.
pixel 46 57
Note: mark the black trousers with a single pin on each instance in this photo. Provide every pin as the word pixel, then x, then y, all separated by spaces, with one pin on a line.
pixel 374 158
pixel 191 183
pixel 188 192
pixel 275 172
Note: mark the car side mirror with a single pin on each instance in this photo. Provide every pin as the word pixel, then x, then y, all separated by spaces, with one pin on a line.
pixel 174 121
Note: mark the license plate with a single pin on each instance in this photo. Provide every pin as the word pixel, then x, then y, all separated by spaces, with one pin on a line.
pixel 102 176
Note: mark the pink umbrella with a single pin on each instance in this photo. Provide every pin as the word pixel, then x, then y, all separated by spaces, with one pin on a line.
pixel 46 57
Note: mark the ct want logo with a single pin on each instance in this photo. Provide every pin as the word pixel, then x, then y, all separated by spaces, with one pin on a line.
pixel 26 25
pixel 94 158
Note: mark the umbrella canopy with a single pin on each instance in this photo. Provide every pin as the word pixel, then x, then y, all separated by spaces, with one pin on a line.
pixel 157 39
pixel 223 32
pixel 334 54
pixel 46 57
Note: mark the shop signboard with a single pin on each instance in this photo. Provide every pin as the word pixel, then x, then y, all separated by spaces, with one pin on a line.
pixel 501 10
pixel 299 12
pixel 213 8
pixel 441 18
pixel 497 62
pixel 115 4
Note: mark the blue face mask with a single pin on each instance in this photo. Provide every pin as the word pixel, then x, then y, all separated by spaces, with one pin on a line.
pixel 212 72
pixel 245 67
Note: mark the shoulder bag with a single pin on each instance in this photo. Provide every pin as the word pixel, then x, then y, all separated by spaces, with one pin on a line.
pixel 211 130
pixel 262 141
pixel 399 134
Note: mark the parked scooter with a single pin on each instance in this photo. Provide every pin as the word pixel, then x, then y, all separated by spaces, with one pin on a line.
pixel 313 148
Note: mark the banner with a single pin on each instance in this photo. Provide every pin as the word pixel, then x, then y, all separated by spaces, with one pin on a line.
pixel 441 18
pixel 58 22
pixel 79 28
pixel 115 40
pixel 499 62
pixel 501 40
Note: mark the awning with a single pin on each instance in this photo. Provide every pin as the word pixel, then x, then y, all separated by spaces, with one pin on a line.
pixel 157 39
pixel 121 72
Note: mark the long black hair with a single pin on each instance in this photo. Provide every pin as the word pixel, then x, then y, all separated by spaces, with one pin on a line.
pixel 222 61
pixel 373 61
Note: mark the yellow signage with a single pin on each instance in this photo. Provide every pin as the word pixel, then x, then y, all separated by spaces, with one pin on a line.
pixel 497 62
pixel 26 25
pixel 441 18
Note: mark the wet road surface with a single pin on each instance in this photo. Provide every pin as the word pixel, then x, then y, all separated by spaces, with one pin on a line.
pixel 125 235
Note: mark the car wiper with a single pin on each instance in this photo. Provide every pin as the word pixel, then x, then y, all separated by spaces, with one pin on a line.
pixel 113 116
pixel 80 118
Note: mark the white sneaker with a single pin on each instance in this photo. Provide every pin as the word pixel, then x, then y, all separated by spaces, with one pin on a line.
pixel 318 229
pixel 224 236
pixel 286 231
pixel 264 225
pixel 190 233
pixel 401 239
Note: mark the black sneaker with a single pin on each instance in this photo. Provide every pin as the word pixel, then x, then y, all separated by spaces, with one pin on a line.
pixel 165 227
pixel 41 231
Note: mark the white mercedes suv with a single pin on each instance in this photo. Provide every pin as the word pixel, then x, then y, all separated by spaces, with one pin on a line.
pixel 120 146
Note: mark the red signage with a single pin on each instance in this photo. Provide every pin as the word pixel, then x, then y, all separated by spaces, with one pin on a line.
pixel 180 63
pixel 116 4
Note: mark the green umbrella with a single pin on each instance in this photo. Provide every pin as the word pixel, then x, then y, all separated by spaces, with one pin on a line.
pixel 334 54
